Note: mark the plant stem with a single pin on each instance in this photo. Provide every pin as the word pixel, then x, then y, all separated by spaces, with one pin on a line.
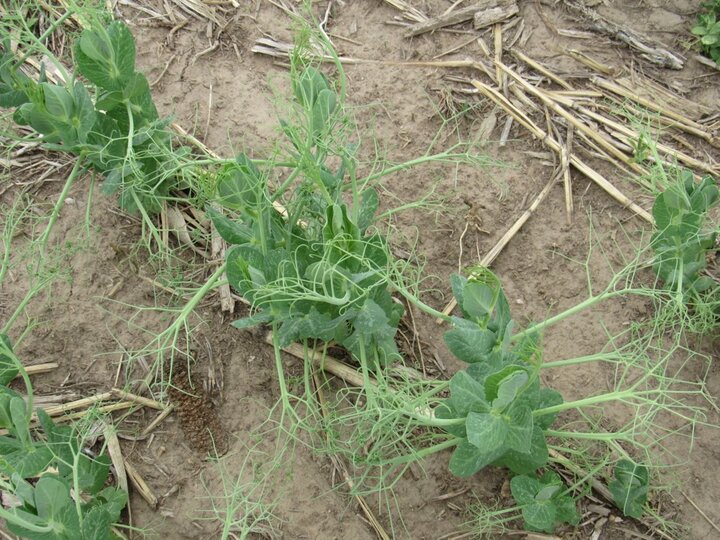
pixel 422 305
pixel 20 522
pixel 589 302
pixel 22 305
pixel 58 205
pixel 443 156
pixel 420 454
pixel 600 436
pixel 594 400
pixel 580 360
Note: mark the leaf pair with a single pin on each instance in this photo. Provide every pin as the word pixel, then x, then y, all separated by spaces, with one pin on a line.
pixel 545 502
pixel 680 243
pixel 500 427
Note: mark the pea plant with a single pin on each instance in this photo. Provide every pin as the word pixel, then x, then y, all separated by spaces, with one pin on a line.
pixel 683 241
pixel 707 29
pixel 497 411
pixel 52 488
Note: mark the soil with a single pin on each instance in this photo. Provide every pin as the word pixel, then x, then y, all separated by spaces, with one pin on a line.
pixel 227 97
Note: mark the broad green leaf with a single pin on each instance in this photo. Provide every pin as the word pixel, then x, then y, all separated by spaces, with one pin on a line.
pixel 83 117
pixel 541 399
pixel 322 110
pixel 8 366
pixel 114 500
pixel 307 85
pixel 240 185
pixel 524 488
pixel 51 494
pixel 470 344
pixel 19 416
pixel 233 232
pixel 467 394
pixel 106 56
pixel 467 459
pixel 630 487
pixel 486 431
pixel 543 501
pixel 503 387
pixel 371 319
pixel 92 473
pixel 58 102
pixel 313 325
pixel 96 524
pixel 255 319
pixel 520 429
pixel 30 461
pixel 478 299
pixel 457 283
pixel 527 462
pixel 540 516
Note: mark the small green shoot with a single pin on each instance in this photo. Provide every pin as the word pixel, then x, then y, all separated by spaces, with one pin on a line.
pixel 629 487
pixel 545 502
pixel 707 28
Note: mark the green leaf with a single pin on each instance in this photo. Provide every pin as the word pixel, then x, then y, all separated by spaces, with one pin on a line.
pixel 630 487
pixel 524 488
pixel 470 344
pixel 520 429
pixel 540 516
pixel 231 231
pixel 96 524
pixel 468 394
pixel 30 461
pixel 106 56
pixel 19 415
pixel 260 317
pixel 308 85
pixel 486 431
pixel 527 462
pixel 478 299
pixel 240 185
pixel 502 388
pixel 322 110
pixel 114 500
pixel 467 459
pixel 8 366
pixel 92 473
pixel 544 501
pixel 311 325
pixel 83 117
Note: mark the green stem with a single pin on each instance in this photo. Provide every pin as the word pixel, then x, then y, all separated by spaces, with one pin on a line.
pixel 76 486
pixel 601 436
pixel 21 307
pixel 443 156
pixel 578 404
pixel 422 305
pixel 420 454
pixel 284 394
pixel 146 219
pixel 60 202
pixel 580 360
pixel 8 352
pixel 20 522
pixel 585 304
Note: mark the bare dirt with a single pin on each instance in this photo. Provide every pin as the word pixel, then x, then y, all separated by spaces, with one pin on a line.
pixel 225 97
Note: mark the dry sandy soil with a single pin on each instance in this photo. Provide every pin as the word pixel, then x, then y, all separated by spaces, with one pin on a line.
pixel 395 108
